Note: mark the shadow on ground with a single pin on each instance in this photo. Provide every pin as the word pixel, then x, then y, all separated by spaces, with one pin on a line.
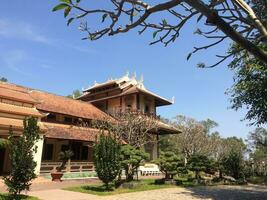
pixel 229 192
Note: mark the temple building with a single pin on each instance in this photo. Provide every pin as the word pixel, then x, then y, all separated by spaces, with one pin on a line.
pixel 60 118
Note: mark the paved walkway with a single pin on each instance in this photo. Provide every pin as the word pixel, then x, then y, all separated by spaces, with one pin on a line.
pixel 195 193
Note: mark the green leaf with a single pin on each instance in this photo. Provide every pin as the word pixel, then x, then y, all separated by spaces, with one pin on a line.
pixel 155 34
pixel 164 21
pixel 104 17
pixel 70 20
pixel 66 1
pixel 67 11
pixel 60 7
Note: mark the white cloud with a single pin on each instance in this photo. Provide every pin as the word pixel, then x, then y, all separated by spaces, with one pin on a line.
pixel 21 30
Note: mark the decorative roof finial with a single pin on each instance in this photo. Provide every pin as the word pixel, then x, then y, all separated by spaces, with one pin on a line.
pixel 173 100
pixel 134 75
pixel 127 74
pixel 142 79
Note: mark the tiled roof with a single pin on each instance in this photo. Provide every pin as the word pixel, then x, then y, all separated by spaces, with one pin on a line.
pixel 20 110
pixel 166 128
pixel 59 104
pixel 15 123
pixel 127 86
pixel 10 91
pixel 69 132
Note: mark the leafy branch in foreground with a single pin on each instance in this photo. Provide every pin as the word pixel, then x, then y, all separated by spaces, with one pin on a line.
pixel 238 20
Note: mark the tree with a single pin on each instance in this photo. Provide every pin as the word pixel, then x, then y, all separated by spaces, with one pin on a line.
pixel 132 127
pixel 169 163
pixel 192 140
pixel 3 79
pixel 258 155
pixel 259 138
pixel 64 156
pixel 75 94
pixel 233 164
pixel 238 20
pixel 198 163
pixel 131 159
pixel 22 151
pixel 250 85
pixel 107 159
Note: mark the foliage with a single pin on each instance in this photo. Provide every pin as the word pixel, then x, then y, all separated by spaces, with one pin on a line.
pixel 129 126
pixel 258 156
pixel 107 159
pixel 169 163
pixel 22 151
pixel 64 156
pixel 131 159
pixel 250 86
pixel 233 164
pixel 19 197
pixel 194 139
pixel 75 94
pixel 259 138
pixel 3 79
pixel 220 20
pixel 198 163
pixel 4 143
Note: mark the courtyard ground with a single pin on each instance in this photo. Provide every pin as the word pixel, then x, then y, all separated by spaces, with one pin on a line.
pixel 45 190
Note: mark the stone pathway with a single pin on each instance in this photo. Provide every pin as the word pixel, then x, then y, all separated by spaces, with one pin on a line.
pixel 211 193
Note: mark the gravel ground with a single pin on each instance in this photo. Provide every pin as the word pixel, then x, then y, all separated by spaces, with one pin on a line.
pixel 213 193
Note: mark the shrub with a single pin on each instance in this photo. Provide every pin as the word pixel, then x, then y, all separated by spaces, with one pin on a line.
pixel 198 163
pixel 233 164
pixel 64 156
pixel 131 159
pixel 107 159
pixel 169 163
pixel 22 151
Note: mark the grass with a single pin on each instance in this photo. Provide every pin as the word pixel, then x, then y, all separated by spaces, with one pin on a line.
pixel 100 190
pixel 21 197
pixel 258 180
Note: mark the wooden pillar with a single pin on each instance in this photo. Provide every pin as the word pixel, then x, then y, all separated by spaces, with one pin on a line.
pixel 157 144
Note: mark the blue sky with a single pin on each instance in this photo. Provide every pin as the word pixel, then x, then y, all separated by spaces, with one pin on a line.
pixel 38 50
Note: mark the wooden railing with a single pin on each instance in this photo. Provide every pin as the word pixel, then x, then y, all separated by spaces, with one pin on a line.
pixel 47 167
pixel 117 111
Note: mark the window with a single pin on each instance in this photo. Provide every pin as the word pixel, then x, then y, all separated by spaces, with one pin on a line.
pixel 76 148
pixel 51 117
pixel 48 152
pixel 68 119
pixel 65 147
pixel 84 153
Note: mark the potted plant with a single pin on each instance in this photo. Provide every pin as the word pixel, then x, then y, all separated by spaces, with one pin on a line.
pixel 64 156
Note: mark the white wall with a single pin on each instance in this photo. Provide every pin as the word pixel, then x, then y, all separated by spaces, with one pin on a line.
pixel 38 154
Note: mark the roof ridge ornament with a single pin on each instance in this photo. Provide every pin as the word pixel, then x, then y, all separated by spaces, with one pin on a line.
pixel 173 100
pixel 127 74
pixel 134 76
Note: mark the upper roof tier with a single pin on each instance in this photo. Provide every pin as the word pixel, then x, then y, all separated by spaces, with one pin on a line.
pixel 126 85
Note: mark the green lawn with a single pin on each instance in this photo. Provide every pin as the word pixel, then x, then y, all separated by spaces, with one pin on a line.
pixel 21 197
pixel 101 191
